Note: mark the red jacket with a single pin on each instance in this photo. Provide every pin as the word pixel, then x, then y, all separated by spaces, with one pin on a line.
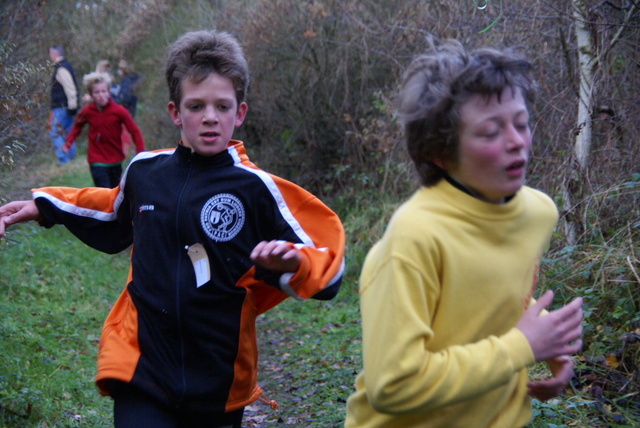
pixel 105 132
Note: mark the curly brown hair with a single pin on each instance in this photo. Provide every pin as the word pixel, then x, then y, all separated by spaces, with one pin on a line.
pixel 198 54
pixel 437 83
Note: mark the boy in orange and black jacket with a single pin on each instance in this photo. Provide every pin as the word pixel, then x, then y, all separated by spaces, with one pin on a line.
pixel 216 241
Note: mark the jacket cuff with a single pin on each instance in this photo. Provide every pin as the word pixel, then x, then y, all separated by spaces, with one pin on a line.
pixel 42 218
pixel 519 350
pixel 285 281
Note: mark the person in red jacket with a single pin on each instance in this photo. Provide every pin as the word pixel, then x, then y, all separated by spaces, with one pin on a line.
pixel 106 120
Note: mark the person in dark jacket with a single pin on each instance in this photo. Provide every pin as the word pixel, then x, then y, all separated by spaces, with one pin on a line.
pixel 215 241
pixel 64 103
pixel 125 94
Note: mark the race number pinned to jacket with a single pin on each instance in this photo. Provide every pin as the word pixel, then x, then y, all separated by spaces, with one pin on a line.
pixel 200 262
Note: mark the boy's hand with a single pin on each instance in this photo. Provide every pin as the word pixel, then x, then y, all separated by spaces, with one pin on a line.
pixel 562 370
pixel 276 255
pixel 17 212
pixel 64 148
pixel 555 334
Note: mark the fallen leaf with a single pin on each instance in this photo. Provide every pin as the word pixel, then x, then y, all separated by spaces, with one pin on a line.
pixel 612 362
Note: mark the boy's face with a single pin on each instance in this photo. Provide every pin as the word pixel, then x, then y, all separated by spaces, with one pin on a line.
pixel 100 94
pixel 208 114
pixel 494 145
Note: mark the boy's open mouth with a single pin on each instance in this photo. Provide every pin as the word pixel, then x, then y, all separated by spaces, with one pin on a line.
pixel 209 134
pixel 516 165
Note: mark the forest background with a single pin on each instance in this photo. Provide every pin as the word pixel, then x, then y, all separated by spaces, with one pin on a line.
pixel 321 113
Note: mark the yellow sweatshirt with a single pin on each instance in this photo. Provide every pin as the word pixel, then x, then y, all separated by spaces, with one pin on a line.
pixel 440 296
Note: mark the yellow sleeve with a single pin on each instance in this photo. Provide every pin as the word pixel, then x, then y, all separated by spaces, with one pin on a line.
pixel 402 373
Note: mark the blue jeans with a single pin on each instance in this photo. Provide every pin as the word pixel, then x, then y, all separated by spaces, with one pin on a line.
pixel 60 124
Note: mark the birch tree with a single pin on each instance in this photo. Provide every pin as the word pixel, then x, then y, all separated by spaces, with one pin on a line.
pixel 590 59
pixel 587 63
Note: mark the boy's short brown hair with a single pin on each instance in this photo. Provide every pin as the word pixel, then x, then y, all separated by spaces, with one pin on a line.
pixel 88 80
pixel 435 86
pixel 198 54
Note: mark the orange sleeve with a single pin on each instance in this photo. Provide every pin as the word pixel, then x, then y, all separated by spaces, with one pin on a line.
pixel 322 262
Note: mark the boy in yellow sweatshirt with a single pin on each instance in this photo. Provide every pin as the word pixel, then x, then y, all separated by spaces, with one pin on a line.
pixel 449 323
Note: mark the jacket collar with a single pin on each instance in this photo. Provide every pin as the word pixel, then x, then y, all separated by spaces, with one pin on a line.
pixel 221 159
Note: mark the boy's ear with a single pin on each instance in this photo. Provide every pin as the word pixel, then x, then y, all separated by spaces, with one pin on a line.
pixel 241 113
pixel 174 113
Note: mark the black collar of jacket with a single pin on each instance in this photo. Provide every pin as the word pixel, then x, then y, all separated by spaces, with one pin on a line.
pixel 184 154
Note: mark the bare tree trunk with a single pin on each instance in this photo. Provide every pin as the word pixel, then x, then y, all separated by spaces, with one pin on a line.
pixel 587 62
pixel 576 171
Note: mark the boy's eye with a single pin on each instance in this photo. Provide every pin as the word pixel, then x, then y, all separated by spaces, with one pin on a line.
pixel 194 107
pixel 490 134
pixel 223 107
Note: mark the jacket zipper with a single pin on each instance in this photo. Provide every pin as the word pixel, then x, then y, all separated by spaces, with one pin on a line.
pixel 178 284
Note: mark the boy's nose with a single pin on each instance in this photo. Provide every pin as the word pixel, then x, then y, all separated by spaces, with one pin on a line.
pixel 210 115
pixel 515 139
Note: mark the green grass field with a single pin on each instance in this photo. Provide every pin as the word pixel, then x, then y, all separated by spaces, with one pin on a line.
pixel 55 296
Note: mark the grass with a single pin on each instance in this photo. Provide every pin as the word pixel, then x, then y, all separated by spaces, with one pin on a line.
pixel 606 389
pixel 55 294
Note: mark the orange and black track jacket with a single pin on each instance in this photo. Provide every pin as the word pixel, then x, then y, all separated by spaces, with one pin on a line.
pixel 183 342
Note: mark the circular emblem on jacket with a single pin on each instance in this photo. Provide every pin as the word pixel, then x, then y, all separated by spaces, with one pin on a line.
pixel 222 217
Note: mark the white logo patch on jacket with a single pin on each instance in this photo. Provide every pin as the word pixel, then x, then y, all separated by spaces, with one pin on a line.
pixel 222 217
